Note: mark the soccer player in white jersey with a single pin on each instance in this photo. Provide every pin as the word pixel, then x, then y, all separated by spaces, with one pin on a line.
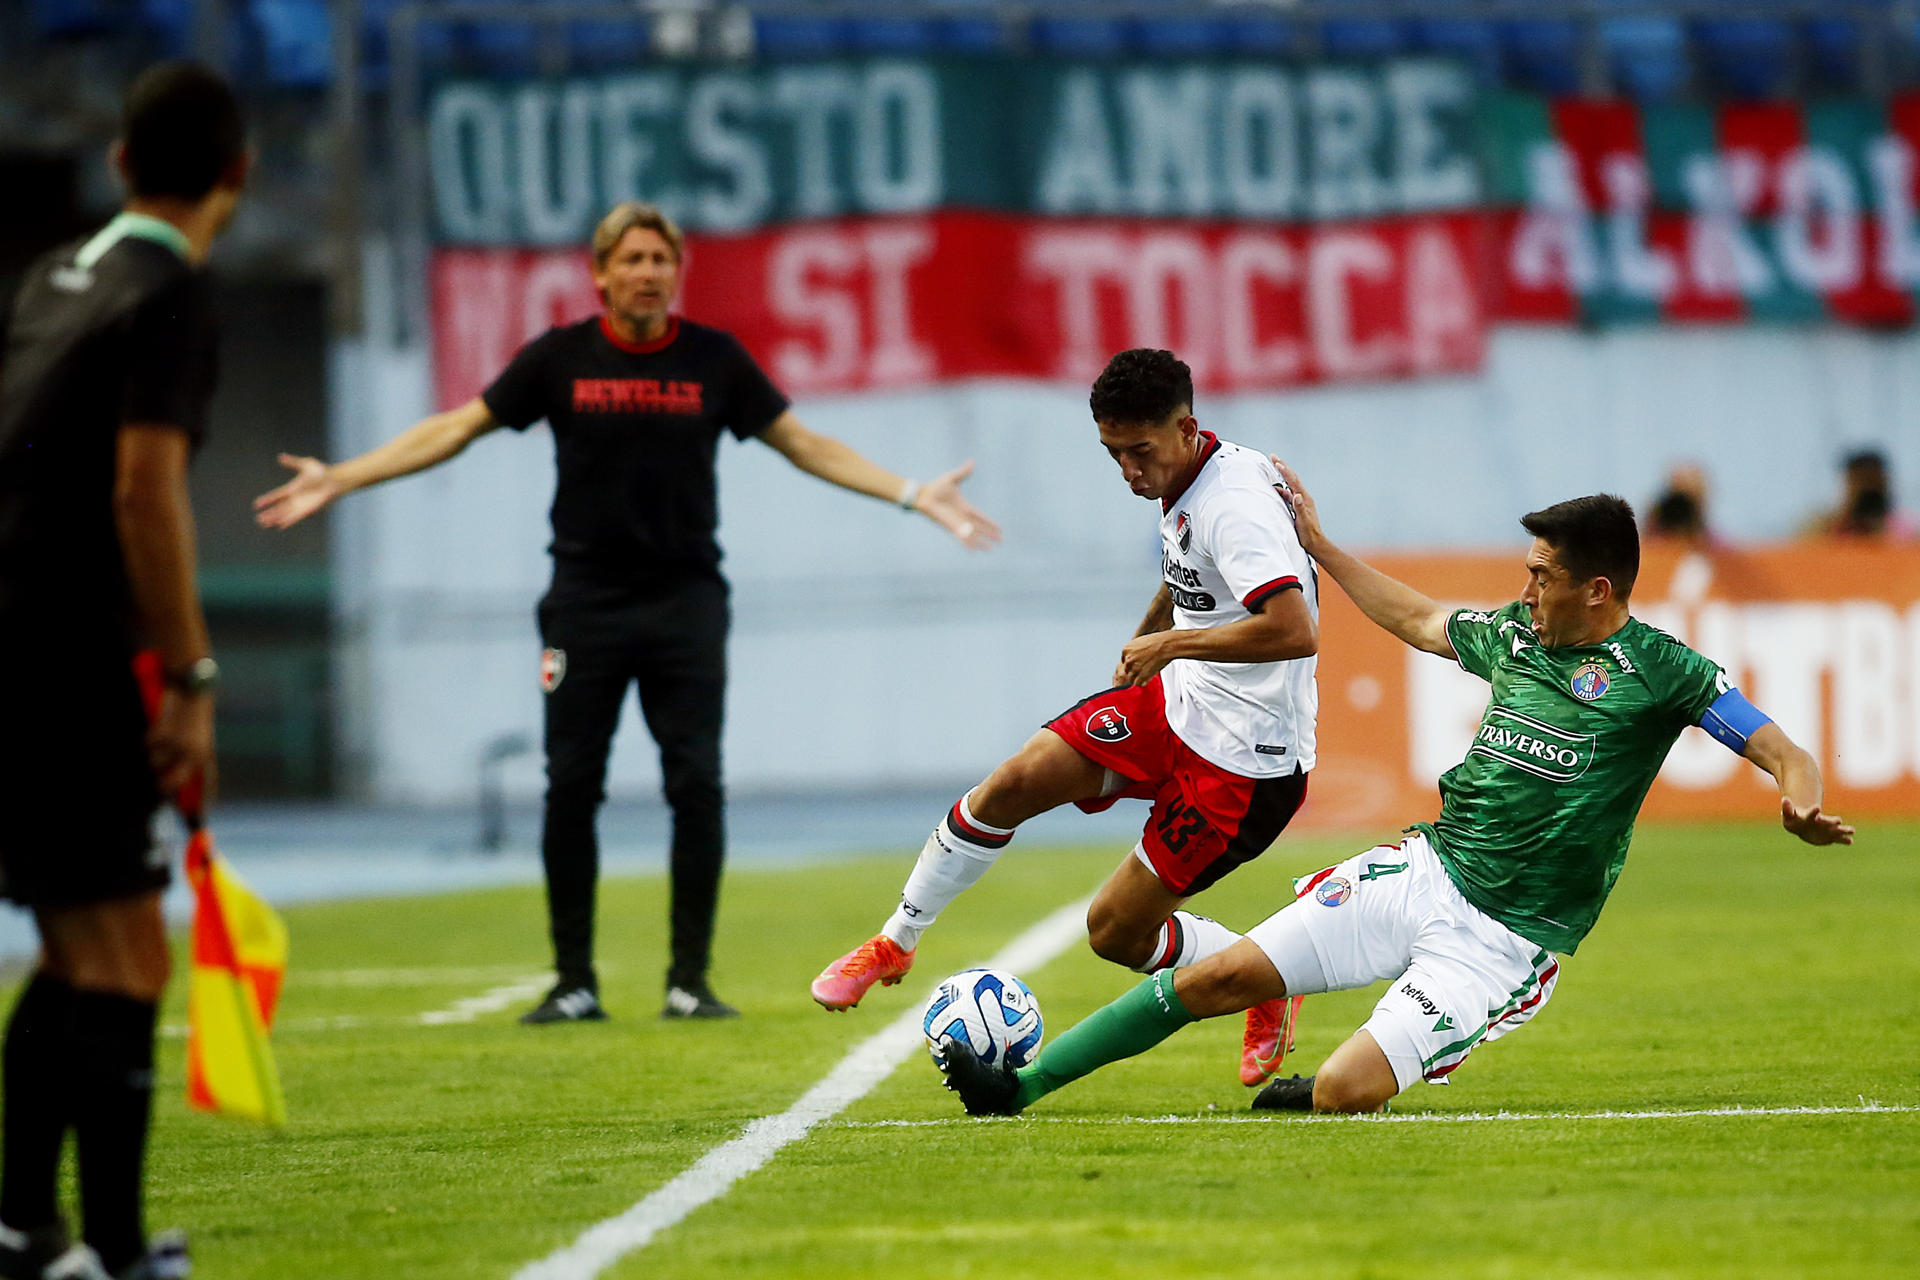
pixel 1211 717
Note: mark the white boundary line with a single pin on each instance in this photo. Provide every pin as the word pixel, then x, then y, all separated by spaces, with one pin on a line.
pixel 492 1001
pixel 709 1178
pixel 1415 1117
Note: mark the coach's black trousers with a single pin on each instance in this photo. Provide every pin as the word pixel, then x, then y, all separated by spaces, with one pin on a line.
pixel 669 639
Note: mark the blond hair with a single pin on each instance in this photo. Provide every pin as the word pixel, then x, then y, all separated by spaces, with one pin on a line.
pixel 627 215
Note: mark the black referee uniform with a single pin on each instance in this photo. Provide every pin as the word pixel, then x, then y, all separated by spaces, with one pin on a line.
pixel 637 599
pixel 120 330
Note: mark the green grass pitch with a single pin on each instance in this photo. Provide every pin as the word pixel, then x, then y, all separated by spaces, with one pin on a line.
pixel 1734 967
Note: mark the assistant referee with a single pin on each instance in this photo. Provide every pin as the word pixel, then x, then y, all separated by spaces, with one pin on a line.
pixel 108 371
pixel 638 399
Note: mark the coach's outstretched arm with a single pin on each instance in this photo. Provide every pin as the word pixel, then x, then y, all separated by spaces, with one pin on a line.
pixel 1801 789
pixel 1393 605
pixel 426 443
pixel 838 463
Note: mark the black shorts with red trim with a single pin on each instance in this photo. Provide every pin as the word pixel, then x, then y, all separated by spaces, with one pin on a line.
pixel 1205 820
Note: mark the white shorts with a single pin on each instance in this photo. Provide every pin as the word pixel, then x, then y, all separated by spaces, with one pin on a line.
pixel 1460 977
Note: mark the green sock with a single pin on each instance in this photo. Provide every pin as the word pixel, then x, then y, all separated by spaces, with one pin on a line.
pixel 1133 1024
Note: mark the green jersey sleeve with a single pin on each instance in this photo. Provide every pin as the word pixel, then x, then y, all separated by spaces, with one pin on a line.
pixel 1690 681
pixel 1479 637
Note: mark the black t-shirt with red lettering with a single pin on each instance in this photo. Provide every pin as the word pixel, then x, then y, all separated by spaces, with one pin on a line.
pixel 636 428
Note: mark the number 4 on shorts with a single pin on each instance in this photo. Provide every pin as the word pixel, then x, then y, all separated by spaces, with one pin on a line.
pixel 1375 870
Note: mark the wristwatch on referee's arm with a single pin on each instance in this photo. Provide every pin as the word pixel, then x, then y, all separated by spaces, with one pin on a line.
pixel 196 677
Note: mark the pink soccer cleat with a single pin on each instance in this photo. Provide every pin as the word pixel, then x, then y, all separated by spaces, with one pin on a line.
pixel 1268 1037
pixel 878 959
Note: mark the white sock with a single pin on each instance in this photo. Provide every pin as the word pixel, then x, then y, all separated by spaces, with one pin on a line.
pixel 1186 939
pixel 958 853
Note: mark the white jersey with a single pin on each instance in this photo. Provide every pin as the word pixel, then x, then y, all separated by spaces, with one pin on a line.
pixel 1227 543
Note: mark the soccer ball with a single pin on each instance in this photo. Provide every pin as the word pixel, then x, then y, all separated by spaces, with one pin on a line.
pixel 993 1011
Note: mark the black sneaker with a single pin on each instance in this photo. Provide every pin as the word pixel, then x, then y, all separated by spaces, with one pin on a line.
pixel 24 1255
pixel 695 1000
pixel 1285 1093
pixel 983 1090
pixel 566 1003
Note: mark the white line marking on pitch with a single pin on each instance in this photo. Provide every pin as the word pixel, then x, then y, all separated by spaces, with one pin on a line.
pixel 1415 1117
pixel 487 1001
pixel 709 1178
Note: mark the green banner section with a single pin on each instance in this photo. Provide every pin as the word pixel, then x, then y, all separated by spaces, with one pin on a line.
pixel 734 148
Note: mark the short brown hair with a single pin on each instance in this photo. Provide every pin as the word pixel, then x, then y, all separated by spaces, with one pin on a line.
pixel 627 215
pixel 1592 537
pixel 182 132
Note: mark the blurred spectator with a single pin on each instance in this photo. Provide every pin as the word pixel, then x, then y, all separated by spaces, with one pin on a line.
pixel 1679 514
pixel 1866 507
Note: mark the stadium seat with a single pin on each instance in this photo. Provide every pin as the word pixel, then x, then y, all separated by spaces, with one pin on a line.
pixel 1543 54
pixel 169 24
pixel 970 35
pixel 62 19
pixel 779 36
pixel 1185 37
pixel 1833 55
pixel 1745 57
pixel 1361 38
pixel 608 46
pixel 296 40
pixel 1473 41
pixel 1079 37
pixel 1646 57
pixel 893 35
pixel 1260 36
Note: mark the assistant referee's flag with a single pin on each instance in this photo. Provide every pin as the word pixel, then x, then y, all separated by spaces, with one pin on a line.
pixel 239 959
pixel 236 963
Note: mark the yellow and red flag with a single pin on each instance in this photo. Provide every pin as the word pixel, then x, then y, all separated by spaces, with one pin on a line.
pixel 237 961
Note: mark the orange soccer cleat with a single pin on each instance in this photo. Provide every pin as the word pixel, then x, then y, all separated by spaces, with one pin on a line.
pixel 878 959
pixel 1268 1037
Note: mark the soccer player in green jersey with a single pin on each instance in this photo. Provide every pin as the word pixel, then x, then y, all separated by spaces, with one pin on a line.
pixel 1467 915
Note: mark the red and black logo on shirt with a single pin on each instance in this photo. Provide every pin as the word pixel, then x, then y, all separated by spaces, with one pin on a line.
pixel 635 395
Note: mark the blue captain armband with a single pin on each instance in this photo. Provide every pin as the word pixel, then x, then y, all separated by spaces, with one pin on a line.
pixel 1733 720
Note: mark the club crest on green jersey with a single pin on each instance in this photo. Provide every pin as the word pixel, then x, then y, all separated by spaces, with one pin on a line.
pixel 1589 682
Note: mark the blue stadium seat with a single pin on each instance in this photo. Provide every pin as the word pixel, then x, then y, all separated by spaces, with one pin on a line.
pixel 1079 37
pixel 1180 37
pixel 970 35
pixel 893 35
pixel 608 46
pixel 1260 36
pixel 783 37
pixel 1833 55
pixel 169 23
pixel 296 40
pixel 70 18
pixel 1543 54
pixel 1361 37
pixel 1646 57
pixel 1473 41
pixel 1746 57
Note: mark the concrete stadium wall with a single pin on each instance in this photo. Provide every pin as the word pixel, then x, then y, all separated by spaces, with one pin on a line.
pixel 870 651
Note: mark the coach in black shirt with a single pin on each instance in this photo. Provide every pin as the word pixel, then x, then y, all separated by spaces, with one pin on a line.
pixel 637 398
pixel 103 397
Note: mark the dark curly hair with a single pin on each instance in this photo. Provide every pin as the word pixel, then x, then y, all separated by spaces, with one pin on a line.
pixel 1141 386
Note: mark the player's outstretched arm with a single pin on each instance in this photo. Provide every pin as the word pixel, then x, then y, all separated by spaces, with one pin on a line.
pixel 1801 789
pixel 1392 605
pixel 427 443
pixel 939 500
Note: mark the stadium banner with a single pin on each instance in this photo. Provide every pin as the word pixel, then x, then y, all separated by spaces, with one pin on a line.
pixel 1824 637
pixel 874 304
pixel 1743 212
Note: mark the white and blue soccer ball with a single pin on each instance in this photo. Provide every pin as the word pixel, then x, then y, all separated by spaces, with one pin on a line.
pixel 993 1011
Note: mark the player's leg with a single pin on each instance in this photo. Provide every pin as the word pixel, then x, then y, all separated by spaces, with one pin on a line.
pixel 683 686
pixel 1042 775
pixel 113 957
pixel 584 676
pixel 1225 983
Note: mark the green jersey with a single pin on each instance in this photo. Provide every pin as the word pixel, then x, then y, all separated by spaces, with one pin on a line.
pixel 1534 822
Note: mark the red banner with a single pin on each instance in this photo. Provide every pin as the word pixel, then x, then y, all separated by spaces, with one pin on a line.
pixel 873 304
